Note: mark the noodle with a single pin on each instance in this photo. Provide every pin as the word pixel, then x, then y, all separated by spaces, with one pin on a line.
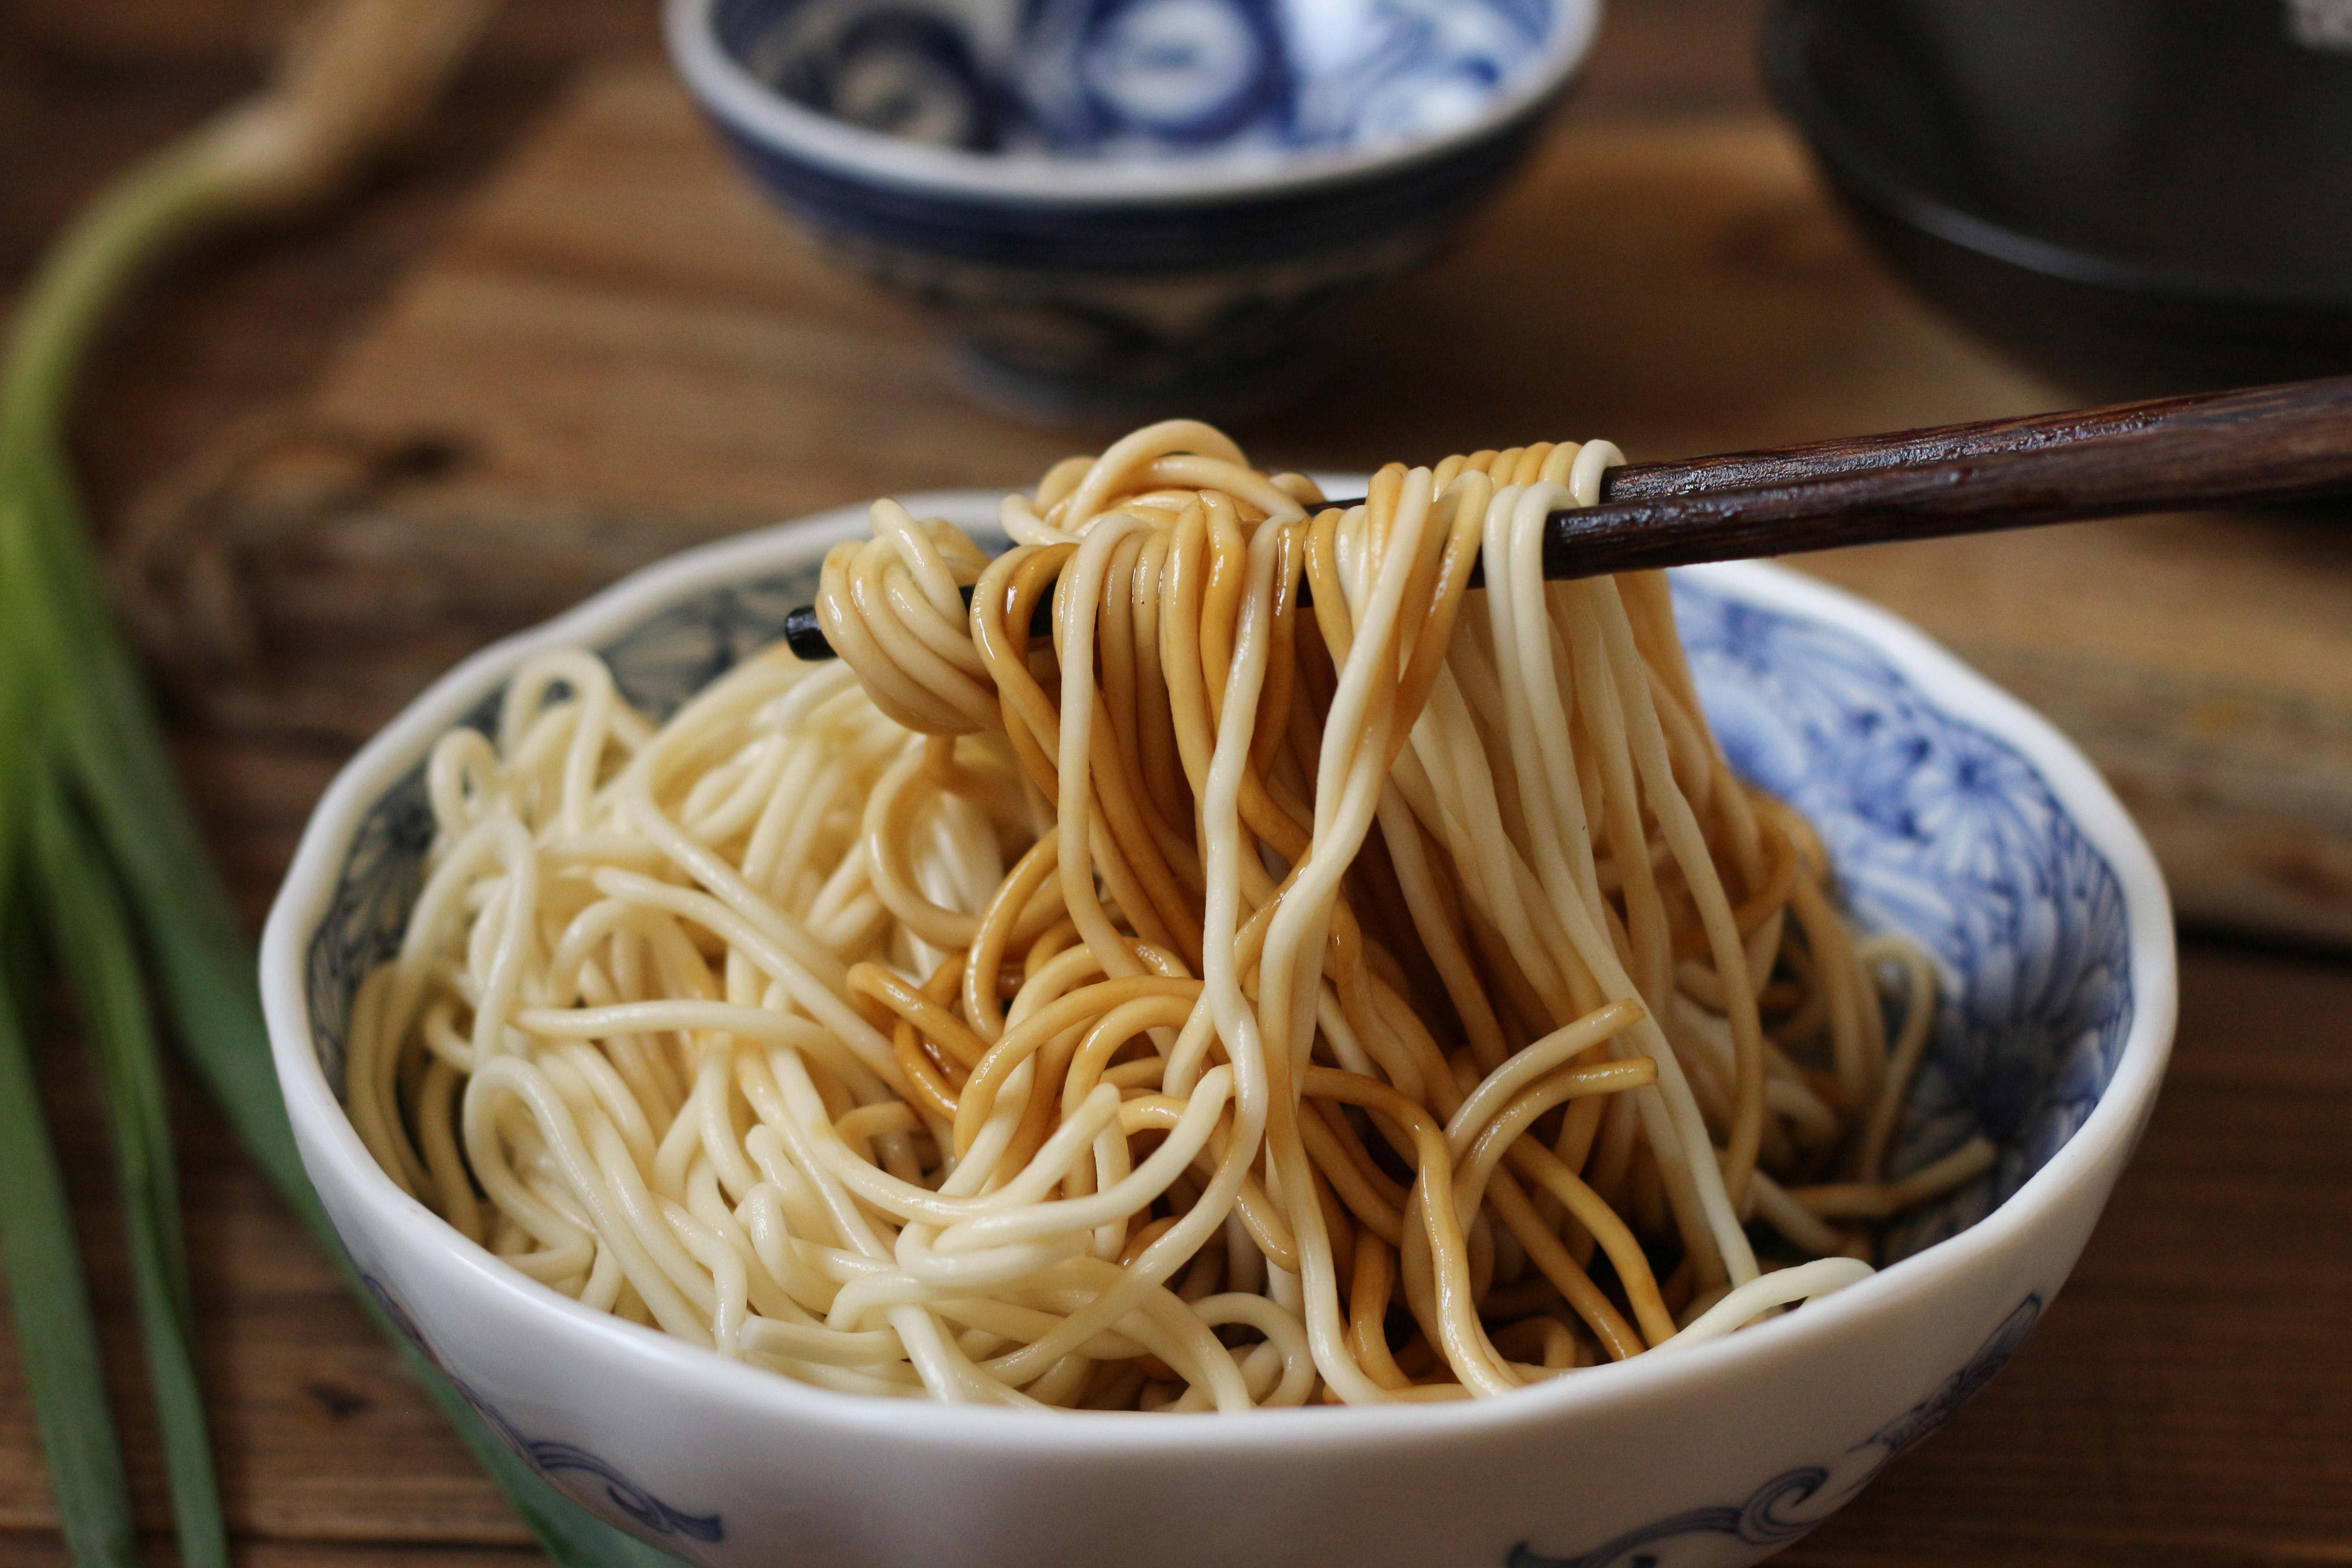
pixel 1297 980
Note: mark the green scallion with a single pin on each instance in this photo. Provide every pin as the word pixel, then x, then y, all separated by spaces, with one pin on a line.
pixel 97 836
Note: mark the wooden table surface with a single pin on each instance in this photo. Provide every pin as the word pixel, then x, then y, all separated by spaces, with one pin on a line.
pixel 2188 1399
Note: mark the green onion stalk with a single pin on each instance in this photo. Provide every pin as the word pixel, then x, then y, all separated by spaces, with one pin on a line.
pixel 103 873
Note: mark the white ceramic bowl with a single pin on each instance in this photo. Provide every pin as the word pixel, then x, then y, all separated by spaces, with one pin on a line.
pixel 1127 209
pixel 1952 811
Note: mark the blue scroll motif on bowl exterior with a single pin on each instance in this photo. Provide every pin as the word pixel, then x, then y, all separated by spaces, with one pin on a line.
pixel 1796 1501
pixel 554 1459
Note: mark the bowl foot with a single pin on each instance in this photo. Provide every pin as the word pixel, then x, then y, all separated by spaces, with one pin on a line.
pixel 1221 394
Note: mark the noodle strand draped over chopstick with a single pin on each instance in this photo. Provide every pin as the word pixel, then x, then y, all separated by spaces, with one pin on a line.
pixel 1229 1000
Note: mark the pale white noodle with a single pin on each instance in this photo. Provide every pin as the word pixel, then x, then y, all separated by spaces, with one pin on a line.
pixel 1224 1004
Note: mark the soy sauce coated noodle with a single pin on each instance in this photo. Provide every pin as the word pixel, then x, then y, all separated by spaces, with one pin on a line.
pixel 1224 1004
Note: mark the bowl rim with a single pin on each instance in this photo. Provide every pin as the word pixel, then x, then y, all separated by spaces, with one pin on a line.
pixel 1793 29
pixel 744 104
pixel 327 1137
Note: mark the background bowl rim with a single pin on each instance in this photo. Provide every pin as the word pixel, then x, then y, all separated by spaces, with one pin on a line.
pixel 1792 29
pixel 326 1135
pixel 744 104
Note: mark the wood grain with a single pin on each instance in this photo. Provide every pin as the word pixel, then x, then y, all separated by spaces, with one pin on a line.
pixel 2185 1401
pixel 621 351
pixel 39 1550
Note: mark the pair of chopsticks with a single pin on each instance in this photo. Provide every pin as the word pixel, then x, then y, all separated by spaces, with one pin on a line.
pixel 2256 447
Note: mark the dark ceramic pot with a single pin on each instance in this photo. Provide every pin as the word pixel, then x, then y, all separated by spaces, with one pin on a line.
pixel 2132 196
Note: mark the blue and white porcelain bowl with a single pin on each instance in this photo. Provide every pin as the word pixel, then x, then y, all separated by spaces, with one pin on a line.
pixel 1131 207
pixel 1952 812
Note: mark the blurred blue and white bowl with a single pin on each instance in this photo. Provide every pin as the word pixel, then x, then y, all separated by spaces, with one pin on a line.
pixel 1951 814
pixel 1131 206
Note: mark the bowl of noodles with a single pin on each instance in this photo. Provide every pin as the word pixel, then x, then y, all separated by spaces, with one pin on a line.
pixel 1208 1035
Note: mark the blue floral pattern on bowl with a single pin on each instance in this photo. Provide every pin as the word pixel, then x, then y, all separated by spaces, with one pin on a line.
pixel 1936 827
pixel 1940 830
pixel 1127 79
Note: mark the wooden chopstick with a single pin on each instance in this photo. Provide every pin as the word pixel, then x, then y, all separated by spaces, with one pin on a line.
pixel 2249 448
